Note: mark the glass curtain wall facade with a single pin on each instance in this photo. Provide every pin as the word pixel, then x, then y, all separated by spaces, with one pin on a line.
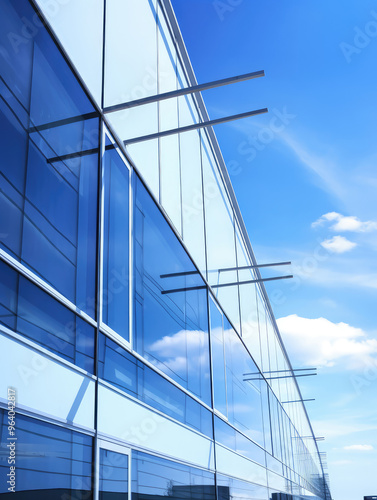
pixel 133 373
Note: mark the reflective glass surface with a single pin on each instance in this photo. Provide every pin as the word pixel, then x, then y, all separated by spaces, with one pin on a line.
pixel 218 359
pixel 26 309
pixel 229 488
pixel 236 379
pixel 171 316
pixel 113 475
pixel 52 462
pixel 220 236
pixel 123 370
pixel 229 437
pixel 79 29
pixel 156 478
pixel 116 251
pixel 49 168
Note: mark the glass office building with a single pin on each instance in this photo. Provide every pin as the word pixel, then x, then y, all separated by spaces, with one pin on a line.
pixel 132 371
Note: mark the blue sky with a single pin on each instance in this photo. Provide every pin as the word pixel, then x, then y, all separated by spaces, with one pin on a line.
pixel 306 180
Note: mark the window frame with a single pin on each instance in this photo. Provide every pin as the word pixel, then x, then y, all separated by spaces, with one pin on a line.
pixel 102 444
pixel 128 344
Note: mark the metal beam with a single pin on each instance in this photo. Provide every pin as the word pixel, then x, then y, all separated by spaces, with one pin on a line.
pixel 195 126
pixel 185 91
pixel 202 287
pixel 284 376
pixel 65 121
pixel 254 266
pixel 297 401
pixel 284 371
pixel 189 273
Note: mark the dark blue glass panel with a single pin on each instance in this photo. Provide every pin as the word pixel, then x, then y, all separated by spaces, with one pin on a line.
pixel 113 475
pixel 171 327
pixel 120 368
pixel 155 478
pixel 26 309
pixel 116 244
pixel 52 462
pixel 48 201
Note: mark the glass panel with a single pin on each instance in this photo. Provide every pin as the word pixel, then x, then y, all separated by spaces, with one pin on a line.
pixel 52 462
pixel 235 489
pixel 170 188
pixel 113 475
pixel 26 309
pixel 130 24
pixel 263 335
pixel 218 359
pixel 229 437
pixel 171 316
pixel 191 176
pixel 220 238
pixel 115 294
pixel 123 370
pixel 248 304
pixel 79 29
pixel 48 200
pixel 154 477
pixel 243 387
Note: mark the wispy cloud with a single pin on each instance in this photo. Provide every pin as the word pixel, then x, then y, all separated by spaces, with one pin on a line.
pixel 338 244
pixel 334 428
pixel 358 447
pixel 320 342
pixel 344 223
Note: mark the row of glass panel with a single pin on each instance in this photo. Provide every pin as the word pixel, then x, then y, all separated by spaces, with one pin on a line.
pixel 246 404
pixel 49 195
pixel 56 462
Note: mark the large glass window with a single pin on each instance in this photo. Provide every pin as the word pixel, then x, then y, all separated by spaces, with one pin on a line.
pixel 229 437
pixel 235 489
pixel 220 236
pixel 49 171
pixel 236 379
pixel 51 461
pixel 113 475
pixel 218 359
pixel 116 254
pixel 28 310
pixel 123 370
pixel 171 313
pixel 156 478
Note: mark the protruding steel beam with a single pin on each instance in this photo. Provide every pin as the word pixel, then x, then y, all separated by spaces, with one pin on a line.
pixel 283 376
pixel 254 266
pixel 184 91
pixel 297 401
pixel 194 126
pixel 202 287
pixel 188 273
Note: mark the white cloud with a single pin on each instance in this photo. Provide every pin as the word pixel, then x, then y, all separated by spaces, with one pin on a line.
pixel 338 244
pixel 345 223
pixel 359 447
pixel 319 342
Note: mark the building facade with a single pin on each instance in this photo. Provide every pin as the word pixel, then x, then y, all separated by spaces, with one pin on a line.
pixel 126 369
